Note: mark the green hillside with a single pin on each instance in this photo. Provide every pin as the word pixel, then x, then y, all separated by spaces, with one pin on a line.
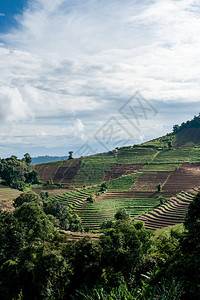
pixel 131 175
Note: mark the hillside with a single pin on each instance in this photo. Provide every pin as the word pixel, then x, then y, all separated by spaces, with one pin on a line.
pixel 131 176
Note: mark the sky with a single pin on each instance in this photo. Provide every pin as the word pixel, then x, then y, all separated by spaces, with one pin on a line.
pixel 91 75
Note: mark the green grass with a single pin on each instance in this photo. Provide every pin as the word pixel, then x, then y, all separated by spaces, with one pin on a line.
pixel 179 228
pixel 173 156
pixel 161 142
pixel 161 167
pixel 195 155
pixel 123 183
pixel 127 155
pixel 93 170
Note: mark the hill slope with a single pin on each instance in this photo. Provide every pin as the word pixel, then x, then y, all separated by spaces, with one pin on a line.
pixel 132 176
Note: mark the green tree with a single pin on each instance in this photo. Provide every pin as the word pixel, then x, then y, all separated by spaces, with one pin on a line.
pixel 170 144
pixel 27 158
pixel 17 173
pixel 39 273
pixel 103 187
pixel 84 258
pixel 27 197
pixel 159 187
pixel 124 249
pixel 187 263
pixel 70 155
pixel 11 236
pixel 122 214
pixel 35 221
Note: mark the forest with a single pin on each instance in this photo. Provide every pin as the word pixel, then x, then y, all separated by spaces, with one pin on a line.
pixel 127 261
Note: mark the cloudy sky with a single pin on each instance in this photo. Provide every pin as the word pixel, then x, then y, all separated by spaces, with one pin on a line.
pixel 90 75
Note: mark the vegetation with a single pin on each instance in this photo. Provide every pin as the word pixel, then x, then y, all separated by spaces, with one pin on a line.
pixel 160 143
pixel 127 262
pixel 194 123
pixel 127 155
pixel 39 260
pixel 93 170
pixel 94 214
pixel 123 183
pixel 17 173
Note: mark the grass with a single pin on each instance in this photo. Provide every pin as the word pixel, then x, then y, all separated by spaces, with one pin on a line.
pixel 173 156
pixel 93 170
pixel 127 155
pixel 195 155
pixel 167 230
pixel 7 193
pixel 161 142
pixel 123 183
pixel 161 167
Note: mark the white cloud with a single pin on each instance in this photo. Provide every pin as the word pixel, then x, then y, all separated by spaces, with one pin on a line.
pixel 86 58
pixel 79 130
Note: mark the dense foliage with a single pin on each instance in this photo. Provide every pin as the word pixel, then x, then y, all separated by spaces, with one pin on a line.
pixel 194 123
pixel 127 262
pixel 17 173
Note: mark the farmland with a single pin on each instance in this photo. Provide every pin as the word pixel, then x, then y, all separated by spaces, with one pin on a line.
pixel 170 213
pixel 93 170
pixel 6 197
pixel 132 173
pixel 128 155
pixel 94 214
pixel 123 183
pixel 75 198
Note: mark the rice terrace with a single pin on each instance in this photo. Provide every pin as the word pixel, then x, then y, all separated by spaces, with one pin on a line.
pixel 143 179
pixel 154 181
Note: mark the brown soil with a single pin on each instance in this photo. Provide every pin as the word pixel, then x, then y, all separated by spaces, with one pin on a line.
pixel 187 137
pixel 148 181
pixel 185 177
pixel 121 169
pixel 76 236
pixel 6 205
pixel 63 173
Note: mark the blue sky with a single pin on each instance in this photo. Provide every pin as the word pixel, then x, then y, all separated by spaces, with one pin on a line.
pixel 69 68
pixel 8 10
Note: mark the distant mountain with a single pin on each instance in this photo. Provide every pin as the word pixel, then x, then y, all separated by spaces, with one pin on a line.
pixel 46 159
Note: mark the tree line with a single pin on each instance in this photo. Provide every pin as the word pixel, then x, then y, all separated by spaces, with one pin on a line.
pixel 194 123
pixel 18 173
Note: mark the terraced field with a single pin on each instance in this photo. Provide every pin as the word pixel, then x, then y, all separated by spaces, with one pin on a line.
pixel 76 198
pixel 185 177
pixel 160 167
pixel 94 214
pixel 170 213
pixel 93 170
pixel 148 181
pixel 59 172
pixel 121 169
pixel 129 155
pixel 123 183
pixel 173 156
